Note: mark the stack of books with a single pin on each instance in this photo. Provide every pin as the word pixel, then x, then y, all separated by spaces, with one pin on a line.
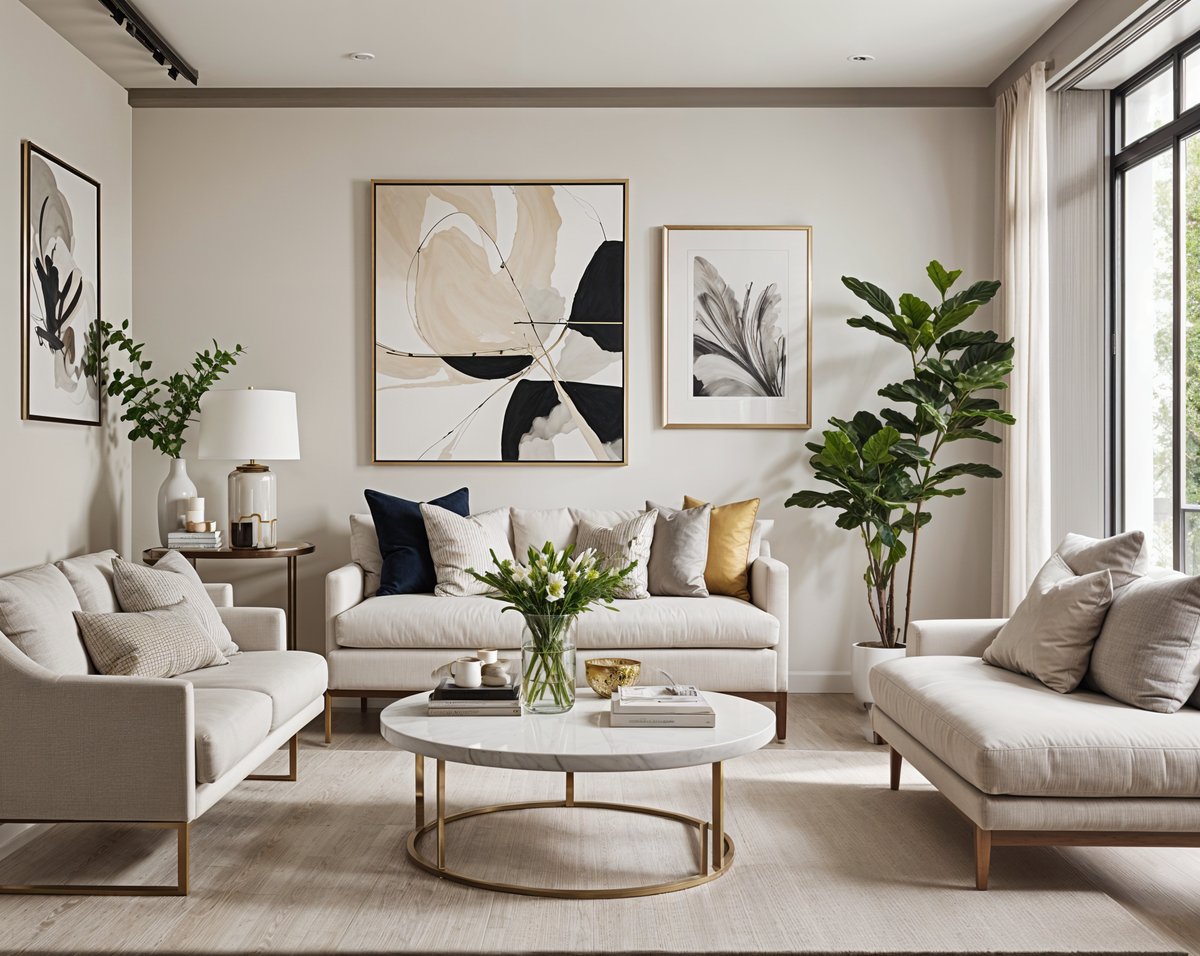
pixel 661 706
pixel 193 540
pixel 450 700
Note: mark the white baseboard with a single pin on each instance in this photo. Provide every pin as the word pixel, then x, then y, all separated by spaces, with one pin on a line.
pixel 819 682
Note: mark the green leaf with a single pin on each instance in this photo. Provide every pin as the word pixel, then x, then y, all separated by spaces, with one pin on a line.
pixel 961 338
pixel 866 322
pixel 974 469
pixel 806 499
pixel 839 452
pixel 871 294
pixel 959 434
pixel 915 308
pixel 875 450
pixel 942 279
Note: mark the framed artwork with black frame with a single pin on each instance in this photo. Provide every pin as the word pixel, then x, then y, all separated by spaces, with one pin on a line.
pixel 737 326
pixel 60 290
pixel 499 331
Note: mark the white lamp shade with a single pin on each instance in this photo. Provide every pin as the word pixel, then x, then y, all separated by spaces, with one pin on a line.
pixel 247 424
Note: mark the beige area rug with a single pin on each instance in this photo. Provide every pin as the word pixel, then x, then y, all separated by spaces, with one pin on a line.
pixel 828 860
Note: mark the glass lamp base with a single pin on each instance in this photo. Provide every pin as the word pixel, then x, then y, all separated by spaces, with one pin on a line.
pixel 252 514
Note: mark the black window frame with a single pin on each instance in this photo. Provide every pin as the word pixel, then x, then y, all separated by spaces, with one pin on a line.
pixel 1167 138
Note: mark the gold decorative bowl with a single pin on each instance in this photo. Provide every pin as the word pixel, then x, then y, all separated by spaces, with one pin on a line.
pixel 606 674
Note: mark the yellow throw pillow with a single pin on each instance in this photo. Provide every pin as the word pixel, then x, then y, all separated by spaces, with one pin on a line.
pixel 727 571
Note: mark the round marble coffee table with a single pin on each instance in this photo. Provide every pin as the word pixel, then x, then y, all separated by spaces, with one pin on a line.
pixel 579 741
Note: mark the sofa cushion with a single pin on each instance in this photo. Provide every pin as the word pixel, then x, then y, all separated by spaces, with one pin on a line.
pixel 292 679
pixel 91 577
pixel 229 724
pixel 407 564
pixel 172 579
pixel 36 614
pixel 422 620
pixel 1005 733
pixel 364 551
pixel 532 529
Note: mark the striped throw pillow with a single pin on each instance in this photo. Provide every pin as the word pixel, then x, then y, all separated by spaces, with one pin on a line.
pixel 617 546
pixel 457 543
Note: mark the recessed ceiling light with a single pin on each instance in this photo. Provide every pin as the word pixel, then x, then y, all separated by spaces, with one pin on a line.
pixel 860 58
pixel 361 57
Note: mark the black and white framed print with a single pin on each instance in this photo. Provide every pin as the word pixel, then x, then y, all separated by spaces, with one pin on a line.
pixel 499 331
pixel 737 326
pixel 60 290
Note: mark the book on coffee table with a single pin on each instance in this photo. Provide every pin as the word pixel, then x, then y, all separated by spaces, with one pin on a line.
pixel 660 707
pixel 448 690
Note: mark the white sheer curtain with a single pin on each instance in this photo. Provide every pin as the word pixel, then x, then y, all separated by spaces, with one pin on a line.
pixel 1021 529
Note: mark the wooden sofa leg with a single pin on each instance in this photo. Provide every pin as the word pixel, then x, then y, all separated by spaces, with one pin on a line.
pixel 781 717
pixel 983 857
pixel 897 763
pixel 362 705
pixel 328 717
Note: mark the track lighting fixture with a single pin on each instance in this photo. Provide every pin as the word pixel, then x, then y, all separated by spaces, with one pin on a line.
pixel 137 26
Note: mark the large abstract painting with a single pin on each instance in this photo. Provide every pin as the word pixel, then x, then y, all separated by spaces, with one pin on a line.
pixel 60 290
pixel 500 321
pixel 737 326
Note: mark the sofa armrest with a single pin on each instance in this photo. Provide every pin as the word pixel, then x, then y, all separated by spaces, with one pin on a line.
pixel 769 592
pixel 220 594
pixel 344 589
pixel 256 628
pixel 954 638
pixel 90 747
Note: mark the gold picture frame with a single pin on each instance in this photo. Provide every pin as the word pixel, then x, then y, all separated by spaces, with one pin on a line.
pixel 603 424
pixel 763 391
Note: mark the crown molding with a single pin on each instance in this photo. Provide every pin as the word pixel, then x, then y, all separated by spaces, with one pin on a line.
pixel 552 97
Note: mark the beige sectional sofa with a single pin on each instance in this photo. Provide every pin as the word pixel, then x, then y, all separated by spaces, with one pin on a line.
pixel 388 646
pixel 79 746
pixel 1027 765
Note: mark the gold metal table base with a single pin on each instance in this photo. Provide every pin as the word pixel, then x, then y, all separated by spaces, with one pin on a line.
pixel 721 842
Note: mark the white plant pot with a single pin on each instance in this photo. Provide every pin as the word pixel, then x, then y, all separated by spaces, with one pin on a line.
pixel 173 498
pixel 862 658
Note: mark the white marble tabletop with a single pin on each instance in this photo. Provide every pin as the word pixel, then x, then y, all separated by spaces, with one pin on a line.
pixel 579 741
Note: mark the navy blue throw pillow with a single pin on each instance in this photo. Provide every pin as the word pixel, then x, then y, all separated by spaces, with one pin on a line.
pixel 407 564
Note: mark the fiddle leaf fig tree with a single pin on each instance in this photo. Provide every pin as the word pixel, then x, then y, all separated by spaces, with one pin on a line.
pixel 883 468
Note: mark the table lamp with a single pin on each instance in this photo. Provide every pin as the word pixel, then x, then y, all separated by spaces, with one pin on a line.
pixel 250 424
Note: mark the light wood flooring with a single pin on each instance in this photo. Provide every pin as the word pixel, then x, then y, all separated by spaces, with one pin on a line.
pixel 1161 887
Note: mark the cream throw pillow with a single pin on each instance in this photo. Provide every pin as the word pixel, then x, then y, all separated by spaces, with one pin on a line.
pixel 619 545
pixel 172 578
pixel 1124 555
pixel 1051 633
pixel 457 543
pixel 159 643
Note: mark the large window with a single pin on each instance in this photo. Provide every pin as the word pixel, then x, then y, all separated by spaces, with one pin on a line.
pixel 1156 284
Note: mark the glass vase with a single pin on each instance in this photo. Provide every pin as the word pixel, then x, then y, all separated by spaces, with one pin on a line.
pixel 548 665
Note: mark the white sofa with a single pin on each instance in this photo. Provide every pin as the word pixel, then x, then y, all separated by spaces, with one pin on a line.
pixel 388 646
pixel 1027 765
pixel 82 747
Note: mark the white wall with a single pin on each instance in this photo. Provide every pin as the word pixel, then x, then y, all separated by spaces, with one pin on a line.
pixel 253 226
pixel 65 488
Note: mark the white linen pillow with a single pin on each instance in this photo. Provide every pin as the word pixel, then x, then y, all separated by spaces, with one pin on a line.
pixel 457 543
pixel 532 529
pixel 679 552
pixel 364 551
pixel 617 546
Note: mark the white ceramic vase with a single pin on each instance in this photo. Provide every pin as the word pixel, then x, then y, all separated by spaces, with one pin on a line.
pixel 862 658
pixel 173 497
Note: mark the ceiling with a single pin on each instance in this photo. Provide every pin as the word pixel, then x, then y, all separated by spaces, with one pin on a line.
pixel 565 43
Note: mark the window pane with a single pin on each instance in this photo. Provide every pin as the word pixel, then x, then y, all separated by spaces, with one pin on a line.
pixel 1148 288
pixel 1191 343
pixel 1149 106
pixel 1191 81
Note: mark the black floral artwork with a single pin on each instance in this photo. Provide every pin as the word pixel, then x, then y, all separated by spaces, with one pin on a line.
pixel 738 350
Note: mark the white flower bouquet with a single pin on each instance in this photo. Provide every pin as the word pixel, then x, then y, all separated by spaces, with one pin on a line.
pixel 550 591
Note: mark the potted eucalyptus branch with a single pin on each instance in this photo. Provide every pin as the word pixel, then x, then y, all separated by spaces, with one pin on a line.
pixel 884 469
pixel 160 410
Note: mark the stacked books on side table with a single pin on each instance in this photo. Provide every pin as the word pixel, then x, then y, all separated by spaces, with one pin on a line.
pixel 680 705
pixel 450 700
pixel 192 540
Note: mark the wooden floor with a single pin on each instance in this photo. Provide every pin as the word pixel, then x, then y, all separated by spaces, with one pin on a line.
pixel 1161 887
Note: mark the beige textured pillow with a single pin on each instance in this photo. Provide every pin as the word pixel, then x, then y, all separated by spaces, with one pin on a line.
pixel 617 546
pixel 35 614
pixel 1148 653
pixel 1125 555
pixel 1051 633
pixel 364 551
pixel 172 578
pixel 91 580
pixel 679 552
pixel 159 643
pixel 532 529
pixel 457 543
